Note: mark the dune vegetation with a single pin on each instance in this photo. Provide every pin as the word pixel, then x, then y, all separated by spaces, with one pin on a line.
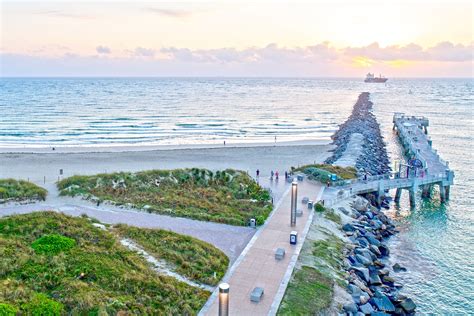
pixel 192 258
pixel 228 196
pixel 323 172
pixel 53 264
pixel 20 190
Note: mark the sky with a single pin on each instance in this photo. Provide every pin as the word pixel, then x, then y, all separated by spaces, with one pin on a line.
pixel 401 38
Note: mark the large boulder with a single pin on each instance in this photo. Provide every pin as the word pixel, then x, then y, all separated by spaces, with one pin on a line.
pixel 360 204
pixel 383 303
pixel 363 273
pixel 351 308
pixel 367 309
pixel 398 268
pixel 348 227
pixel 408 305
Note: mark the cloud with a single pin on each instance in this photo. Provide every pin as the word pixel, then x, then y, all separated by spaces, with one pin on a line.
pixel 64 14
pixel 270 53
pixel 444 59
pixel 173 13
pixel 103 50
pixel 444 51
pixel 144 52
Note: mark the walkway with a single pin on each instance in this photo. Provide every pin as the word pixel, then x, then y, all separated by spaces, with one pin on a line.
pixel 257 267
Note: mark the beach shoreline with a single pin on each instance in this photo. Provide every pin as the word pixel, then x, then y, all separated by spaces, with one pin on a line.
pixel 111 148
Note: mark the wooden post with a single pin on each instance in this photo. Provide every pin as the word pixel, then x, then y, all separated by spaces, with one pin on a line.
pixel 398 195
pixel 426 193
pixel 412 197
pixel 442 193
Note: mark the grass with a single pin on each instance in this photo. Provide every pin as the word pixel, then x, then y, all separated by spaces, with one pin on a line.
pixel 322 172
pixel 20 190
pixel 329 252
pixel 95 275
pixel 228 196
pixel 190 257
pixel 308 293
pixel 332 216
pixel 311 287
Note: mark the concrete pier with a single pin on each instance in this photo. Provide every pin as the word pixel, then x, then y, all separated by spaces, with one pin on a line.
pixel 426 168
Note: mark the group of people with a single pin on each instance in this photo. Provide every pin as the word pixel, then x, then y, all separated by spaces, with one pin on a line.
pixel 275 174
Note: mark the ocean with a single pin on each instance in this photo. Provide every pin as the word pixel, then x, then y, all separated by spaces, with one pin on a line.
pixel 436 241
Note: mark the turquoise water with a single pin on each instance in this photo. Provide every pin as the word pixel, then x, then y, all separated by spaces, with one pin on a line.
pixel 436 242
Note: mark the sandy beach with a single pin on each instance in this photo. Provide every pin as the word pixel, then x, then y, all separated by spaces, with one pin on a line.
pixel 35 166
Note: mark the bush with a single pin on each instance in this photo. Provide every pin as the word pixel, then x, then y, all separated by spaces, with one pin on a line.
pixel 7 310
pixel 52 244
pixel 21 190
pixel 318 207
pixel 42 305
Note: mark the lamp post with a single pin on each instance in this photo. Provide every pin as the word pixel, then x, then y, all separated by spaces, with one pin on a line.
pixel 224 299
pixel 294 198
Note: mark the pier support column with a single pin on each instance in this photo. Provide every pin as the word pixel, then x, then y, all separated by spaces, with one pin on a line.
pixel 426 130
pixel 442 193
pixel 426 193
pixel 448 188
pixel 412 197
pixel 398 195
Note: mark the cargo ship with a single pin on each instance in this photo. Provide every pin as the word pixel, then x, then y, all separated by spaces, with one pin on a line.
pixel 371 78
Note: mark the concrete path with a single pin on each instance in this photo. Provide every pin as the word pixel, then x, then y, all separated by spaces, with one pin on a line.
pixel 257 267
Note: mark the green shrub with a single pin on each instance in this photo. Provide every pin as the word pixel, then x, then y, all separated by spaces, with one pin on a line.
pixel 7 310
pixel 52 244
pixel 21 190
pixel 98 275
pixel 318 207
pixel 42 305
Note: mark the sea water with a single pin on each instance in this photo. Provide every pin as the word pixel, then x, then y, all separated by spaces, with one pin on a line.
pixel 436 241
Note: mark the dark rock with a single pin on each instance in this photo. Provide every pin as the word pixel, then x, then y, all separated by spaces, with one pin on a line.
pixel 372 240
pixel 398 268
pixel 384 250
pixel 354 290
pixel 363 260
pixel 383 303
pixel 388 280
pixel 351 308
pixel 363 242
pixel 367 309
pixel 375 250
pixel 363 273
pixel 408 305
pixel 348 227
pixel 375 279
pixel 378 313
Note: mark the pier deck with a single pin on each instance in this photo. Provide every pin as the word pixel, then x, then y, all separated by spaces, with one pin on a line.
pixel 432 170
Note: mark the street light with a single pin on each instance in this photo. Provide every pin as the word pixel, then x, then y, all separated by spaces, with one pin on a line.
pixel 294 198
pixel 224 299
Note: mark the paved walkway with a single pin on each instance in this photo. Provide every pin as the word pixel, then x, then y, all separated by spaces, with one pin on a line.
pixel 257 267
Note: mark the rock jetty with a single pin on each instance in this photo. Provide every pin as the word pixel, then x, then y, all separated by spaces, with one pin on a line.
pixel 373 158
pixel 374 291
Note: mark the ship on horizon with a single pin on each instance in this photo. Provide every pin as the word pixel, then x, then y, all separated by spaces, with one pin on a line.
pixel 371 78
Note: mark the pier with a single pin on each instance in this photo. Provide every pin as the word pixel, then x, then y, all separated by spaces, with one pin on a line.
pixel 424 169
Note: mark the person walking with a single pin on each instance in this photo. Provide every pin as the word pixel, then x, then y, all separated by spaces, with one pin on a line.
pixel 286 175
pixel 276 175
pixel 271 175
